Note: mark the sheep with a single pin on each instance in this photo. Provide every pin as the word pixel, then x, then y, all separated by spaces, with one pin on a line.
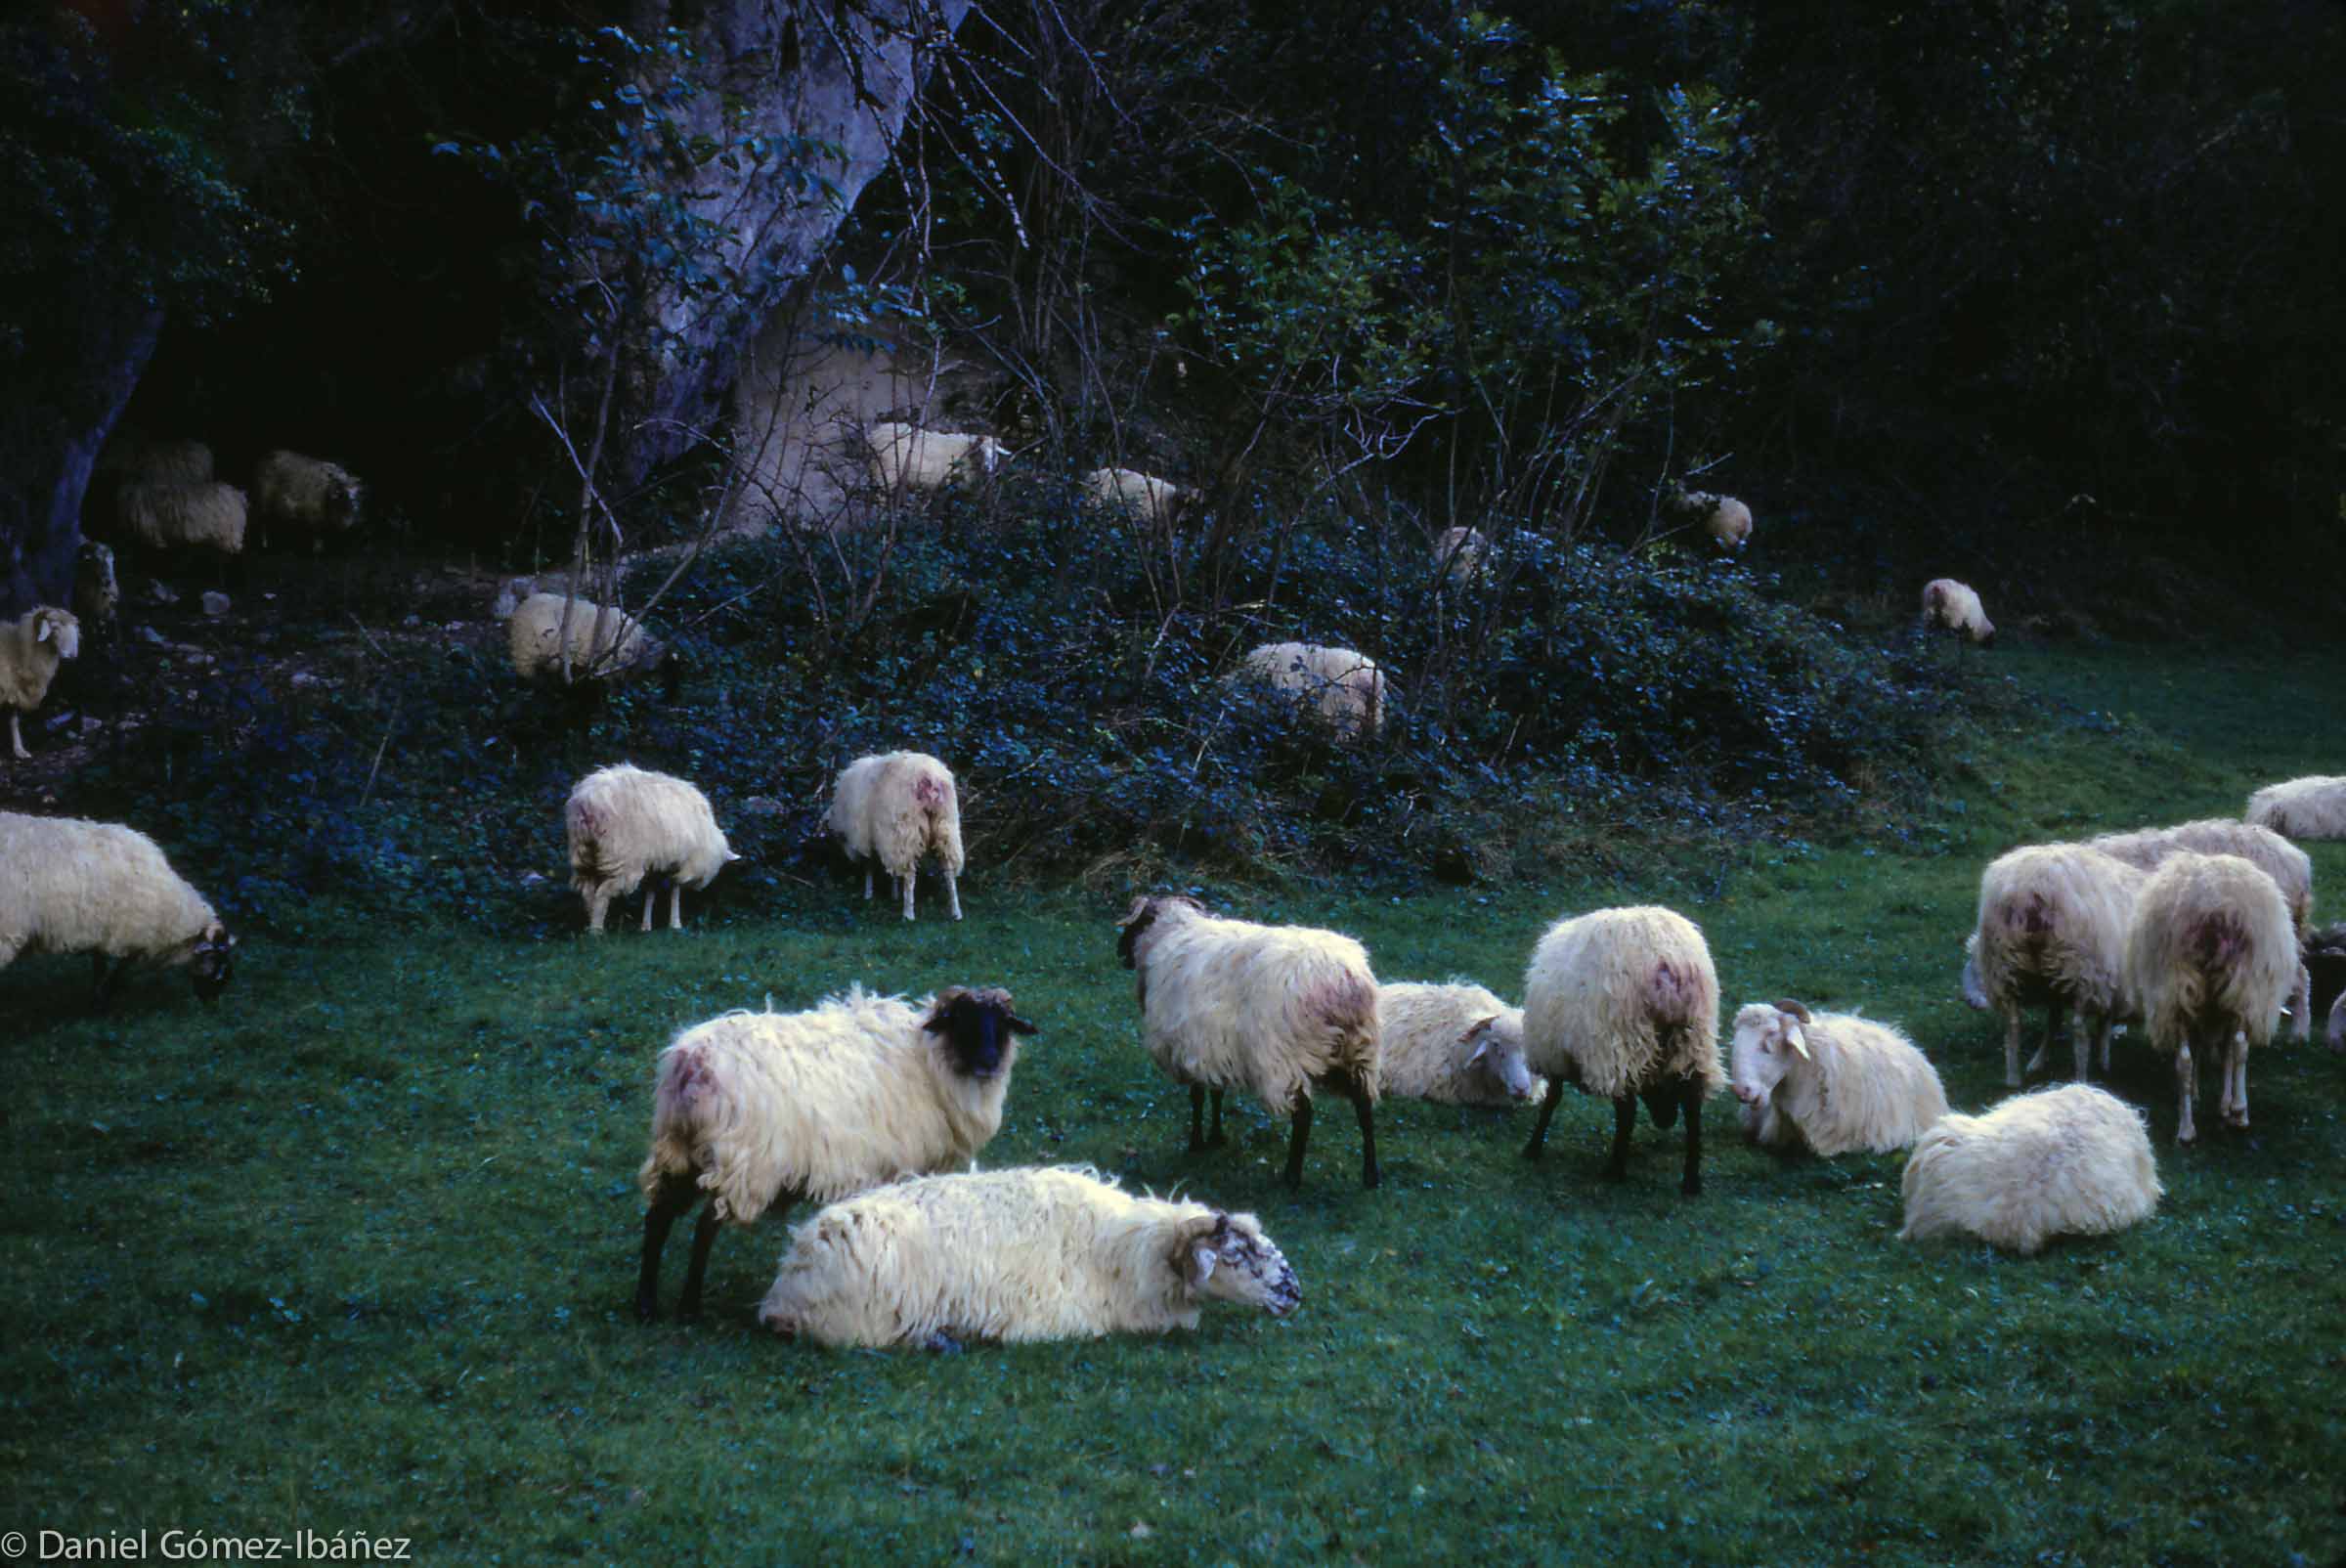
pixel 68 886
pixel 1278 1011
pixel 906 457
pixel 1037 1253
pixel 602 641
pixel 2290 868
pixel 1725 519
pixel 626 825
pixel 1347 687
pixel 765 1110
pixel 1456 1043
pixel 2325 955
pixel 96 592
pixel 1950 604
pixel 894 808
pixel 210 515
pixel 2052 931
pixel 31 647
pixel 1143 496
pixel 1624 1003
pixel 2311 807
pixel 1830 1082
pixel 306 493
pixel 2210 956
pixel 2068 1160
pixel 1461 555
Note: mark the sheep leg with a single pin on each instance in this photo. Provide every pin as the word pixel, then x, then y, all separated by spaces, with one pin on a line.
pixel 675 907
pixel 16 740
pixel 867 885
pixel 1365 1112
pixel 2301 1006
pixel 2012 1049
pixel 1299 1136
pixel 2044 1052
pixel 952 897
pixel 2087 1046
pixel 2236 1082
pixel 98 980
pixel 598 903
pixel 704 1233
pixel 1214 1137
pixel 2184 1132
pixel 1625 1123
pixel 1690 1183
pixel 1199 1138
pixel 911 876
pixel 673 1199
pixel 1547 1109
pixel 649 893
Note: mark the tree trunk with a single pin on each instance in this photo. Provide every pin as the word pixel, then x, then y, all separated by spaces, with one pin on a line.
pixel 845 75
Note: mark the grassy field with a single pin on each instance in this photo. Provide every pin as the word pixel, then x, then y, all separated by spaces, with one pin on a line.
pixel 353 1252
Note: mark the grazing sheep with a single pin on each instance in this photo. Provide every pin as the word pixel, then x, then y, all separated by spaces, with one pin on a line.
pixel 1278 1011
pixel 31 647
pixel 1950 604
pixel 2052 933
pixel 905 457
pixel 626 825
pixel 1051 1253
pixel 2290 868
pixel 1624 1003
pixel 1143 496
pixel 602 641
pixel 2210 958
pixel 764 1110
pixel 2324 954
pixel 68 886
pixel 207 516
pixel 1830 1082
pixel 2068 1160
pixel 895 808
pixel 96 594
pixel 2302 808
pixel 306 493
pixel 1461 555
pixel 1456 1043
pixel 1347 687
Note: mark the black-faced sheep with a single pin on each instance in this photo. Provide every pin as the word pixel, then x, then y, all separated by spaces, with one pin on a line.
pixel 2068 1160
pixel 2311 807
pixel 307 495
pixel 626 825
pixel 1345 687
pixel 31 646
pixel 1278 1011
pixel 1952 605
pixel 1624 1003
pixel 68 886
pixel 767 1110
pixel 1017 1255
pixel 1456 1044
pixel 1830 1082
pixel 2052 933
pixel 2210 957
pixel 897 810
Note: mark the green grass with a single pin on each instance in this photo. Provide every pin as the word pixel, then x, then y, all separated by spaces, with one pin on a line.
pixel 353 1252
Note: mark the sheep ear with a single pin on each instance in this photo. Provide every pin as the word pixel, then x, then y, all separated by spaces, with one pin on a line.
pixel 941 1010
pixel 1018 1026
pixel 43 629
pixel 732 856
pixel 1798 1041
pixel 1202 1259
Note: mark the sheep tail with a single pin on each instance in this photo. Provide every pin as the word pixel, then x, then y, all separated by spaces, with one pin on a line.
pixel 587 825
pixel 685 1086
pixel 1672 997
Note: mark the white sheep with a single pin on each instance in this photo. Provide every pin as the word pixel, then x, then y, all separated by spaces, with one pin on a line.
pixel 2068 1160
pixel 2052 931
pixel 1039 1253
pixel 1458 1044
pixel 1278 1011
pixel 1346 687
pixel 210 515
pixel 1954 606
pixel 897 808
pixel 2210 958
pixel 1461 555
pixel 2290 868
pixel 68 886
pixel 1143 496
pixel 2312 807
pixel 626 825
pixel 31 646
pixel 1725 519
pixel 1830 1082
pixel 1624 1003
pixel 905 457
pixel 96 592
pixel 602 641
pixel 764 1110
pixel 307 494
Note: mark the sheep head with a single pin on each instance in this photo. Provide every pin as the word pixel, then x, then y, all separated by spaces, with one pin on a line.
pixel 212 963
pixel 975 1028
pixel 343 496
pixel 1145 913
pixel 1226 1256
pixel 59 628
pixel 1495 1046
pixel 1768 1040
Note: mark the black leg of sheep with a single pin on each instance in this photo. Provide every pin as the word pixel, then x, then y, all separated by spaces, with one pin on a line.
pixel 1625 1122
pixel 1548 1110
pixel 674 1200
pixel 704 1236
pixel 1297 1138
pixel 1199 1139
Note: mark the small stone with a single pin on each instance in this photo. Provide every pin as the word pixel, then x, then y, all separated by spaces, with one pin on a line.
pixel 302 677
pixel 148 634
pixel 763 805
pixel 215 605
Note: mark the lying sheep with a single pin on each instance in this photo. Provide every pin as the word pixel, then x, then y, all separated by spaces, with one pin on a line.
pixel 201 517
pixel 2210 957
pixel 626 825
pixel 2311 807
pixel 1830 1082
pixel 96 592
pixel 1461 555
pixel 1624 1003
pixel 601 641
pixel 2070 1160
pixel 906 457
pixel 764 1110
pixel 2290 868
pixel 31 647
pixel 1058 1254
pixel 308 494
pixel 1950 604
pixel 1456 1043
pixel 897 808
pixel 2052 933
pixel 68 886
pixel 1143 496
pixel 1278 1011
pixel 1346 687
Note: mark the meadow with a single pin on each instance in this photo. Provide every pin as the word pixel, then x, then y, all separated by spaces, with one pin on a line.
pixel 353 1252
